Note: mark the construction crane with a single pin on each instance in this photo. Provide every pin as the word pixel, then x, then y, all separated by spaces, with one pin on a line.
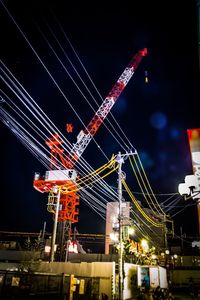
pixel 67 175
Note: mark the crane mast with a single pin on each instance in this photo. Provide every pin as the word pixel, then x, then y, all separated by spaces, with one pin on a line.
pixel 86 135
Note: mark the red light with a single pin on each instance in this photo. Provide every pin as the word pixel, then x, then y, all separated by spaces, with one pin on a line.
pixel 193 134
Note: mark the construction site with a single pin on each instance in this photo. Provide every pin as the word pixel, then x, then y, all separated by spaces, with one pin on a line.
pixel 86 162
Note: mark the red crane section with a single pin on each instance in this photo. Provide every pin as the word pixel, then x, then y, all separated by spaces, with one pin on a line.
pixel 54 143
pixel 87 134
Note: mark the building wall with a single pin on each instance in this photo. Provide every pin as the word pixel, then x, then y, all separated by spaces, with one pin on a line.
pixel 112 220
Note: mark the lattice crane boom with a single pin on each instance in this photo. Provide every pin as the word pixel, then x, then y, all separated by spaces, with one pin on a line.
pixel 86 135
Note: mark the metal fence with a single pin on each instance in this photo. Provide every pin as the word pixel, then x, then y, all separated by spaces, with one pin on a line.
pixel 25 285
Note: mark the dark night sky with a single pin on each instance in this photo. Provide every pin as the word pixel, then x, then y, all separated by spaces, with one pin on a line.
pixel 154 116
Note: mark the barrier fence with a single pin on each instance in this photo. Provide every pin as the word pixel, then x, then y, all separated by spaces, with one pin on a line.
pixel 17 285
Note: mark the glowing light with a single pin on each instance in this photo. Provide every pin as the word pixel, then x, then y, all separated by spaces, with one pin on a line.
pixel 69 127
pixel 47 249
pixel 131 230
pixel 146 78
pixel 145 245
pixel 196 157
pixel 72 247
pixel 114 236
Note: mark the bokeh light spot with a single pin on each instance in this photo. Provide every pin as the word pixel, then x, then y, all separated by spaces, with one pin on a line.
pixel 121 106
pixel 146 160
pixel 158 120
pixel 162 156
pixel 174 133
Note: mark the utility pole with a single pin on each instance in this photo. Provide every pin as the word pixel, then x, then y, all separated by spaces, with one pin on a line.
pixel 121 175
pixel 120 160
pixel 55 225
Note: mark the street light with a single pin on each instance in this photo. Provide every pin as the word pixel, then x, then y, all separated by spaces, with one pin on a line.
pixel 191 189
pixel 174 258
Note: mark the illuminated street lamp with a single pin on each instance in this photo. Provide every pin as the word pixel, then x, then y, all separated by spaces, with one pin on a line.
pixel 191 189
pixel 166 254
pixel 174 258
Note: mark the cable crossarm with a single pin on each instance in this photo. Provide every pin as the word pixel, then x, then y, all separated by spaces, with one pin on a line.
pixel 86 135
pixel 134 200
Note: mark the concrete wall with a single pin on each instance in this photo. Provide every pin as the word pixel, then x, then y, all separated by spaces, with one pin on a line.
pixel 180 278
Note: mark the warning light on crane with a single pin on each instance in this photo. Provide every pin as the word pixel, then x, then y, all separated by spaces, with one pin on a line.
pixel 69 127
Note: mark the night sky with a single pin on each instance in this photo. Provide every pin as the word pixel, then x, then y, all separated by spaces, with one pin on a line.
pixel 155 116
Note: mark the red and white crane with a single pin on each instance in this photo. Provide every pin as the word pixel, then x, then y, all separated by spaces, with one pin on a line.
pixel 67 176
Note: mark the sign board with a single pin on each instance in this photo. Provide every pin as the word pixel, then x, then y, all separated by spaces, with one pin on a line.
pixel 81 287
pixel 194 141
pixel 15 281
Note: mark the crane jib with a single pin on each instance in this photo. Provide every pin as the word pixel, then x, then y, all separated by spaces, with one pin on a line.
pixel 86 135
